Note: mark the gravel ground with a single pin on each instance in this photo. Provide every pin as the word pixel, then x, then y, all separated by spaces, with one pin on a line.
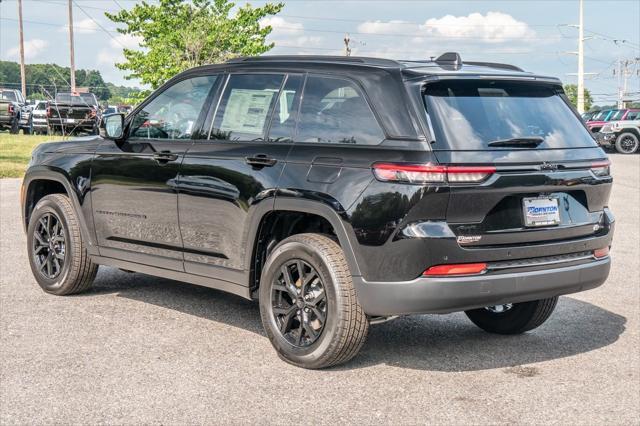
pixel 139 349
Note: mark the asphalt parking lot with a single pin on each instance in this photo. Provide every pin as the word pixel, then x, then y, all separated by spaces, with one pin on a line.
pixel 139 349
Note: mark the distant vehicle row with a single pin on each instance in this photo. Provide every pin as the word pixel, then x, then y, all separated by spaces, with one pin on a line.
pixel 68 113
pixel 615 128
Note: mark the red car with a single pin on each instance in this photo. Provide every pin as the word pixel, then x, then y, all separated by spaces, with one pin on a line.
pixel 599 119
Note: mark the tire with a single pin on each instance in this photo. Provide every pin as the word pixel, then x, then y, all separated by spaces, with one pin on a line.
pixel 74 272
pixel 519 318
pixel 627 143
pixel 15 126
pixel 330 292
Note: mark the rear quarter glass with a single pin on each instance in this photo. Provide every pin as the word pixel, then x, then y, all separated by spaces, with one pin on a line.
pixel 468 115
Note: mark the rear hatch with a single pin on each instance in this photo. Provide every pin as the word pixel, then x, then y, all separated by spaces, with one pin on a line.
pixel 546 179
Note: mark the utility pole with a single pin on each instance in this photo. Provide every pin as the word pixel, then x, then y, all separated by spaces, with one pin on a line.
pixel 347 48
pixel 581 60
pixel 73 64
pixel 23 78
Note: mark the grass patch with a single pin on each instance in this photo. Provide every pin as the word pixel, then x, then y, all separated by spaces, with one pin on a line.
pixel 15 152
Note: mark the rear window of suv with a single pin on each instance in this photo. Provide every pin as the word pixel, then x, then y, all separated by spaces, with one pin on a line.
pixel 468 115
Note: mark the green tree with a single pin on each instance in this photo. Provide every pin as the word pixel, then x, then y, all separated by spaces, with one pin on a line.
pixel 178 34
pixel 572 93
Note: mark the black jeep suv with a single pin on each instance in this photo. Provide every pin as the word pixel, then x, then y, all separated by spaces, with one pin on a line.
pixel 339 192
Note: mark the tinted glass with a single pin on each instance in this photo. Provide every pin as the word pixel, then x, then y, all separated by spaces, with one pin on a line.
pixel 467 115
pixel 283 124
pixel 246 106
pixel 617 115
pixel 173 113
pixel 334 111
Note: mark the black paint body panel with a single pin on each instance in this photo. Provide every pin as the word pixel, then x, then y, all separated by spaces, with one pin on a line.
pixel 197 216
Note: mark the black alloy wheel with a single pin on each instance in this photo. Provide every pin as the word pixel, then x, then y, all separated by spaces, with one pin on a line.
pixel 299 303
pixel 49 246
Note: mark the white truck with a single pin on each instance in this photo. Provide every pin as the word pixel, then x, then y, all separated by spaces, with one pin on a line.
pixel 623 135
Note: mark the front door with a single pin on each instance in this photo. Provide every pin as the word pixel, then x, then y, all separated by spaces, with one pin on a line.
pixel 134 181
pixel 233 174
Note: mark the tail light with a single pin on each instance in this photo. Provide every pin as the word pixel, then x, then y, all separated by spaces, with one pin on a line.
pixel 456 269
pixel 601 253
pixel 48 111
pixel 10 109
pixel 431 173
pixel 601 168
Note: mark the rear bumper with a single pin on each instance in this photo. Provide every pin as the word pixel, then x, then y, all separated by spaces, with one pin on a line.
pixel 451 294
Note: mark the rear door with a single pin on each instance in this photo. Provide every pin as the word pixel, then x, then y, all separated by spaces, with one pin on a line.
pixel 232 174
pixel 545 186
pixel 134 182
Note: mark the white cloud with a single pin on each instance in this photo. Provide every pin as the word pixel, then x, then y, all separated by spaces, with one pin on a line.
pixel 282 27
pixel 494 27
pixel 114 54
pixel 32 48
pixel 83 26
pixel 125 41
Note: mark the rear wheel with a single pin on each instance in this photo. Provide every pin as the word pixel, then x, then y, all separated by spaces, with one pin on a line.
pixel 627 143
pixel 513 318
pixel 57 255
pixel 308 304
pixel 15 126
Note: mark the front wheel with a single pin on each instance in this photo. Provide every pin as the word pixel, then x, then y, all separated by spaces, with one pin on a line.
pixel 627 143
pixel 513 318
pixel 57 254
pixel 308 304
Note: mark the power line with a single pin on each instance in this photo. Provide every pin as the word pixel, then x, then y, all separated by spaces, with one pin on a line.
pixel 98 24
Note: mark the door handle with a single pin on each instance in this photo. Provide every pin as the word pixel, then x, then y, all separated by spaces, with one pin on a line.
pixel 260 160
pixel 163 157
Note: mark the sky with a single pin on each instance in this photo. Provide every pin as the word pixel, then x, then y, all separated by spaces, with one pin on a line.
pixel 537 35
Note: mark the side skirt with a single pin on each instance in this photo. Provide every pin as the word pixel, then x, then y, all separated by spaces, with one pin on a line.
pixel 214 283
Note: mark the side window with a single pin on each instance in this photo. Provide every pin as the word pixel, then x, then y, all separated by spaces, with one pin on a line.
pixel 632 115
pixel 174 112
pixel 334 111
pixel 245 106
pixel 283 124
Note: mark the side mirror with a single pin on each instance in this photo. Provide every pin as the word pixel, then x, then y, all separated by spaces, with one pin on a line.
pixel 112 126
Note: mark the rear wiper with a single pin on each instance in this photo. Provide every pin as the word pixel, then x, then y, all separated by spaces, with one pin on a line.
pixel 525 142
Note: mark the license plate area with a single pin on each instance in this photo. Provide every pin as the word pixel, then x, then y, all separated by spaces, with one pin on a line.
pixel 540 211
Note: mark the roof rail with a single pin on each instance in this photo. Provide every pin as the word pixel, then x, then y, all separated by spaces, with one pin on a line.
pixel 316 58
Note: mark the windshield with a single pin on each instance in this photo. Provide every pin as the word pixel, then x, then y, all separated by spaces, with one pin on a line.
pixel 81 99
pixel 468 115
pixel 8 95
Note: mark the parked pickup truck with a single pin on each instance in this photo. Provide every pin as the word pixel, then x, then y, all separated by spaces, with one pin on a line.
pixel 623 135
pixel 74 113
pixel 11 105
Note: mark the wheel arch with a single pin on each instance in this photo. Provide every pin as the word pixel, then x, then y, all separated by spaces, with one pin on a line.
pixel 632 130
pixel 341 230
pixel 41 181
